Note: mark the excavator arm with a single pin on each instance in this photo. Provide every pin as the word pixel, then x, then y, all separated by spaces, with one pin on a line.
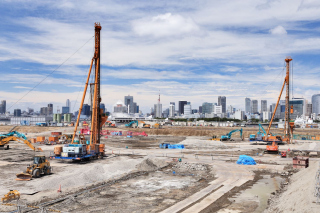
pixel 233 131
pixel 13 138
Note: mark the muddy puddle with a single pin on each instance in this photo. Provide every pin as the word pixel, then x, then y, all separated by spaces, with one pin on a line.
pixel 255 198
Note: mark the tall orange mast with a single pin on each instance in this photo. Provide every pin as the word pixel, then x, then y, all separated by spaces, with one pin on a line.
pixel 287 131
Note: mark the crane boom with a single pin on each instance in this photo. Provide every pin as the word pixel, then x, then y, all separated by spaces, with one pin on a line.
pixel 81 105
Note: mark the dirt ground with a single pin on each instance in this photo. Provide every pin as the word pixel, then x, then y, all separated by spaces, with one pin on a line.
pixel 145 178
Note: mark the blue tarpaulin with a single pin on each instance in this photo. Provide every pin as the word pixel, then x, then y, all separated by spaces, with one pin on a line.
pixel 176 146
pixel 246 160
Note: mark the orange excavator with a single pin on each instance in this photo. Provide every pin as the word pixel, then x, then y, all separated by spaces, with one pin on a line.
pixel 288 126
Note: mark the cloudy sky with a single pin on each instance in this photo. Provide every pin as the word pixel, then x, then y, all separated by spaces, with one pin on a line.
pixel 189 50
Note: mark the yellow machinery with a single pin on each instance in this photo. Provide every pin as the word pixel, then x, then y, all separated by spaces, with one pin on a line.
pixel 40 166
pixel 215 138
pixel 146 126
pixel 157 126
pixel 12 195
pixel 5 140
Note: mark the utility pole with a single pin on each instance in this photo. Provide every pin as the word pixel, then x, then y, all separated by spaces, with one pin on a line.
pixel 287 110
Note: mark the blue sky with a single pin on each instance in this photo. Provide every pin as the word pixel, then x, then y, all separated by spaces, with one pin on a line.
pixel 189 50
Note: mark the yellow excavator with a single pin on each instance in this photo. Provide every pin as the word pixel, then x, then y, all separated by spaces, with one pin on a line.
pixel 15 136
pixel 40 166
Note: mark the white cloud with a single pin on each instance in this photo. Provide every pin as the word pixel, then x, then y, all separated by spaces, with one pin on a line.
pixel 278 30
pixel 164 25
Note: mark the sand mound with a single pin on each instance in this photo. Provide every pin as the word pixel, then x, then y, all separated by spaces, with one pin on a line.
pixel 299 197
pixel 151 164
pixel 315 146
pixel 201 142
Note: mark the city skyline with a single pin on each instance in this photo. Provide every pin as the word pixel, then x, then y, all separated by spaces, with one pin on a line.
pixel 194 55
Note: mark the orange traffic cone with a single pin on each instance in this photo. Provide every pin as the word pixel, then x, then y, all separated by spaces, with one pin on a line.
pixel 59 190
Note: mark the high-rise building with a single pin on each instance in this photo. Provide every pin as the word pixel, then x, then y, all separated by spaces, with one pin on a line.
pixel 128 101
pixel 181 107
pixel 29 110
pixel 65 110
pixel 158 110
pixel 316 104
pixel 247 105
pixel 254 106
pixel 103 107
pixel 44 111
pixel 165 113
pixel 171 110
pixel 200 109
pixel 85 110
pixel 68 103
pixel 134 107
pixel 239 114
pixel 222 101
pixel 3 107
pixel 218 109
pixel 50 109
pixel 207 108
pixel 120 108
pixel 194 111
pixel 174 104
pixel 264 106
pixel 230 109
pixel 138 109
pixel 187 110
pixel 299 107
pixel 278 112
pixel 17 112
pixel 309 110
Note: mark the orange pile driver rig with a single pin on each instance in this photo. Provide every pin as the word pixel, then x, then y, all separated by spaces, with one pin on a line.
pixel 81 149
pixel 288 126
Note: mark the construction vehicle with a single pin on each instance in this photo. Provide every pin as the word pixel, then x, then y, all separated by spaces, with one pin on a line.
pixel 284 154
pixel 91 149
pixel 131 123
pixel 41 124
pixel 288 126
pixel 11 195
pixel 259 136
pixel 227 136
pixel 215 138
pixel 252 137
pixel 40 166
pixel 146 126
pixel 157 126
pixel 110 124
pixel 16 136
pixel 273 148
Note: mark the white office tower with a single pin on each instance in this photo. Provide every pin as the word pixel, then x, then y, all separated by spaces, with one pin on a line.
pixel 187 110
pixel 171 110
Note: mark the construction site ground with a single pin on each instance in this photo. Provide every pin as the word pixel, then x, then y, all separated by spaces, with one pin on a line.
pixel 137 176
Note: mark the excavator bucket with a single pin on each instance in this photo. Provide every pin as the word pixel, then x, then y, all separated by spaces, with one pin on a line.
pixel 23 176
